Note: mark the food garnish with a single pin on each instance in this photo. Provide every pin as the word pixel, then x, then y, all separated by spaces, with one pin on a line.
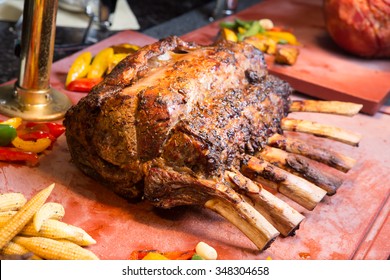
pixel 34 227
pixel 202 251
pixel 23 142
pixel 265 36
pixel 87 71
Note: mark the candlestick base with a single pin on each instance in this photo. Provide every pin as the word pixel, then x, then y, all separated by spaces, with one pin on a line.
pixel 40 105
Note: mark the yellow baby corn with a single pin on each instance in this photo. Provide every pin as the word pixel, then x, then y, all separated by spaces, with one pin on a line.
pixel 24 215
pixel 11 201
pixel 59 230
pixel 55 249
pixel 49 210
pixel 6 216
pixel 13 248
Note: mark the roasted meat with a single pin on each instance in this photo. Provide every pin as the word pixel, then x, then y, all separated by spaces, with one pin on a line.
pixel 183 124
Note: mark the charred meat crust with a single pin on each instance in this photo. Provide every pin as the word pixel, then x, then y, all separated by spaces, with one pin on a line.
pixel 199 108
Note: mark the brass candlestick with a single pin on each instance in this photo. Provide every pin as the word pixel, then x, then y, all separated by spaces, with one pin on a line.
pixel 31 97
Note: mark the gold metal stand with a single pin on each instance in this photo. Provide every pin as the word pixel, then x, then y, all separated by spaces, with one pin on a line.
pixel 32 98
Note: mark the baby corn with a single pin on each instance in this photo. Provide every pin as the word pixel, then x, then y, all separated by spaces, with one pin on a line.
pixel 23 216
pixel 55 249
pixel 11 201
pixel 49 210
pixel 59 230
pixel 13 248
pixel 6 216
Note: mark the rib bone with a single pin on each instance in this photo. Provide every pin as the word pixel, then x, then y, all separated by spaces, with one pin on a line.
pixel 330 107
pixel 328 157
pixel 171 188
pixel 321 130
pixel 301 166
pixel 297 189
pixel 281 215
pixel 247 219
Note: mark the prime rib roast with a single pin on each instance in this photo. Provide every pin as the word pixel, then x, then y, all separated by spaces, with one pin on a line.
pixel 181 124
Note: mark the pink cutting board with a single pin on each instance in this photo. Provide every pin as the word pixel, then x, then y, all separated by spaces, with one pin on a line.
pixel 353 224
pixel 323 70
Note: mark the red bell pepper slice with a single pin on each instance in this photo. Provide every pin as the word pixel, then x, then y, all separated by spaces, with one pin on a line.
pixel 83 84
pixel 55 129
pixel 14 155
pixel 35 135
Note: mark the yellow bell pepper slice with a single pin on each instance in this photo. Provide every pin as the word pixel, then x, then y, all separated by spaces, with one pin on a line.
pixel 229 35
pixel 131 47
pixel 31 146
pixel 115 59
pixel 100 63
pixel 241 30
pixel 79 68
pixel 14 122
pixel 282 35
pixel 154 256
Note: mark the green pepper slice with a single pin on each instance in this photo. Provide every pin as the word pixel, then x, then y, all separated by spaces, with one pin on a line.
pixel 7 134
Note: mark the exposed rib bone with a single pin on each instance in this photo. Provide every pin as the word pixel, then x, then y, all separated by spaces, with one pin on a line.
pixel 171 188
pixel 247 219
pixel 281 215
pixel 297 189
pixel 328 157
pixel 330 107
pixel 301 166
pixel 321 130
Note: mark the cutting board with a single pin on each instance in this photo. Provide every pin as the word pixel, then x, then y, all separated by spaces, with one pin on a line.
pixel 353 224
pixel 323 70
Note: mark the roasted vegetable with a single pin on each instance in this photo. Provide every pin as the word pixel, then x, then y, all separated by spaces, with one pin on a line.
pixel 17 156
pixel 263 35
pixel 83 84
pixel 31 146
pixel 202 251
pixel 7 134
pixel 84 75
pixel 286 55
pixel 31 139
pixel 79 68
pixel 100 63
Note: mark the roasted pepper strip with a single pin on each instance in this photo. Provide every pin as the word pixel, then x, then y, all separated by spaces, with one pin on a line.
pixel 7 134
pixel 14 122
pixel 55 129
pixel 31 146
pixel 35 135
pixel 154 256
pixel 79 68
pixel 140 254
pixel 83 84
pixel 229 35
pixel 13 155
pixel 100 63
pixel 282 37
pixel 179 255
